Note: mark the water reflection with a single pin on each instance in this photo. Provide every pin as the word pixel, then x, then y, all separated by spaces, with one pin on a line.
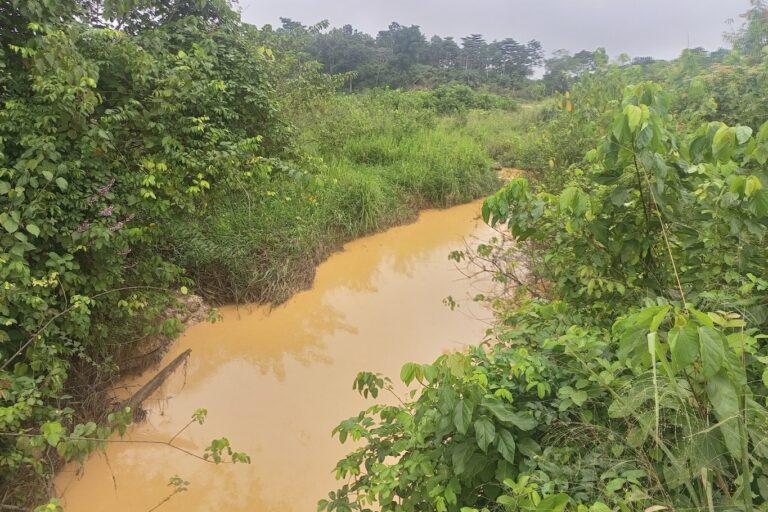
pixel 277 382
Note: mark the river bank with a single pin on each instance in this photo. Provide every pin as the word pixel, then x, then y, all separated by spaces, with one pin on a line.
pixel 276 382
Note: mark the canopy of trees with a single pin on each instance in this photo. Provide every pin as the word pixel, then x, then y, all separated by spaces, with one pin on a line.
pixel 401 56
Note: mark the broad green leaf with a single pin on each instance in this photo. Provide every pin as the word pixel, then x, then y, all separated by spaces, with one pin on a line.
pixel 620 128
pixel 450 496
pixel 528 447
pixel 684 342
pixel 658 318
pixel 644 137
pixel 572 199
pixel 506 445
pixel 505 414
pixel 758 203
pixel 462 416
pixel 485 433
pixel 701 318
pixel 460 457
pixel 725 402
pixel 724 143
pixel 8 222
pixel 737 184
pixel 407 372
pixel 52 432
pixel 430 372
pixel 707 451
pixel 62 183
pixel 698 148
pixel 579 397
pixel 554 503
pixel 5 187
pixel 634 116
pixel 712 350
pixel 762 133
pixel 751 185
pixel 486 212
pixel 33 229
pixel 723 397
pixel 615 484
pixel 743 133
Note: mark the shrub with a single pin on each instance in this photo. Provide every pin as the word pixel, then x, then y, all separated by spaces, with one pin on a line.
pixel 621 390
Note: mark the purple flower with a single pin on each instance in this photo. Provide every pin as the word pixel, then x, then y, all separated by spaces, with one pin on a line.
pixel 106 211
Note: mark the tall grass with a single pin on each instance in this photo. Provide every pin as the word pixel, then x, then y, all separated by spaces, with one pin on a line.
pixel 377 159
pixel 538 138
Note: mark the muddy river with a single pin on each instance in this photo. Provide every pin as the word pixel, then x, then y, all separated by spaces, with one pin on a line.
pixel 276 382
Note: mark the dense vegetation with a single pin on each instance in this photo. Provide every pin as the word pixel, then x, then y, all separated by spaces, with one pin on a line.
pixel 401 56
pixel 629 367
pixel 148 148
pixel 152 147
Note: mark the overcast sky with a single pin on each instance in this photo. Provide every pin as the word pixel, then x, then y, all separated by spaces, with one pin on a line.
pixel 657 28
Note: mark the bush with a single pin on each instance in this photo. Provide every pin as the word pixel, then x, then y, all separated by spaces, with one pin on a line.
pixel 620 390
pixel 451 99
pixel 379 159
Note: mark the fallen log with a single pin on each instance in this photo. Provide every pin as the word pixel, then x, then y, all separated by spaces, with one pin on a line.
pixel 135 401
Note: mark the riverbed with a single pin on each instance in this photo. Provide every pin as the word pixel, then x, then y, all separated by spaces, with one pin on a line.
pixel 276 381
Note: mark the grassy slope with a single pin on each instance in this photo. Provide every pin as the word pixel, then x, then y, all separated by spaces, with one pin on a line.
pixel 378 159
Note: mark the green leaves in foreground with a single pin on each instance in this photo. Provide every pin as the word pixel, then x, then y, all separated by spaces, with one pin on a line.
pixel 507 446
pixel 623 389
pixel 460 434
pixel 462 415
pixel 712 350
pixel 485 432
pixel 504 413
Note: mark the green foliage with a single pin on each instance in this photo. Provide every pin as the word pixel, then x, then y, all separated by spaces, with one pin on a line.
pixel 567 418
pixel 636 204
pixel 751 38
pixel 107 135
pixel 448 99
pixel 401 56
pixel 379 158
pixel 640 382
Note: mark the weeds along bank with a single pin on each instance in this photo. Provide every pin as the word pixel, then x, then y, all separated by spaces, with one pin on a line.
pixel 628 370
pixel 174 152
pixel 374 161
pixel 186 149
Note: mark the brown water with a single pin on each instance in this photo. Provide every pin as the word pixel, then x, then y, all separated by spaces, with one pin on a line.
pixel 277 382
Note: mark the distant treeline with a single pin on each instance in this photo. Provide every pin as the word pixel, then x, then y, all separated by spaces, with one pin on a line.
pixel 403 57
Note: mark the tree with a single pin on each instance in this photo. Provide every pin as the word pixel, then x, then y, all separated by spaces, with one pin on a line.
pixel 117 117
pixel 473 52
pixel 442 53
pixel 407 44
pixel 563 69
pixel 342 49
pixel 515 60
pixel 752 36
pixel 289 24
